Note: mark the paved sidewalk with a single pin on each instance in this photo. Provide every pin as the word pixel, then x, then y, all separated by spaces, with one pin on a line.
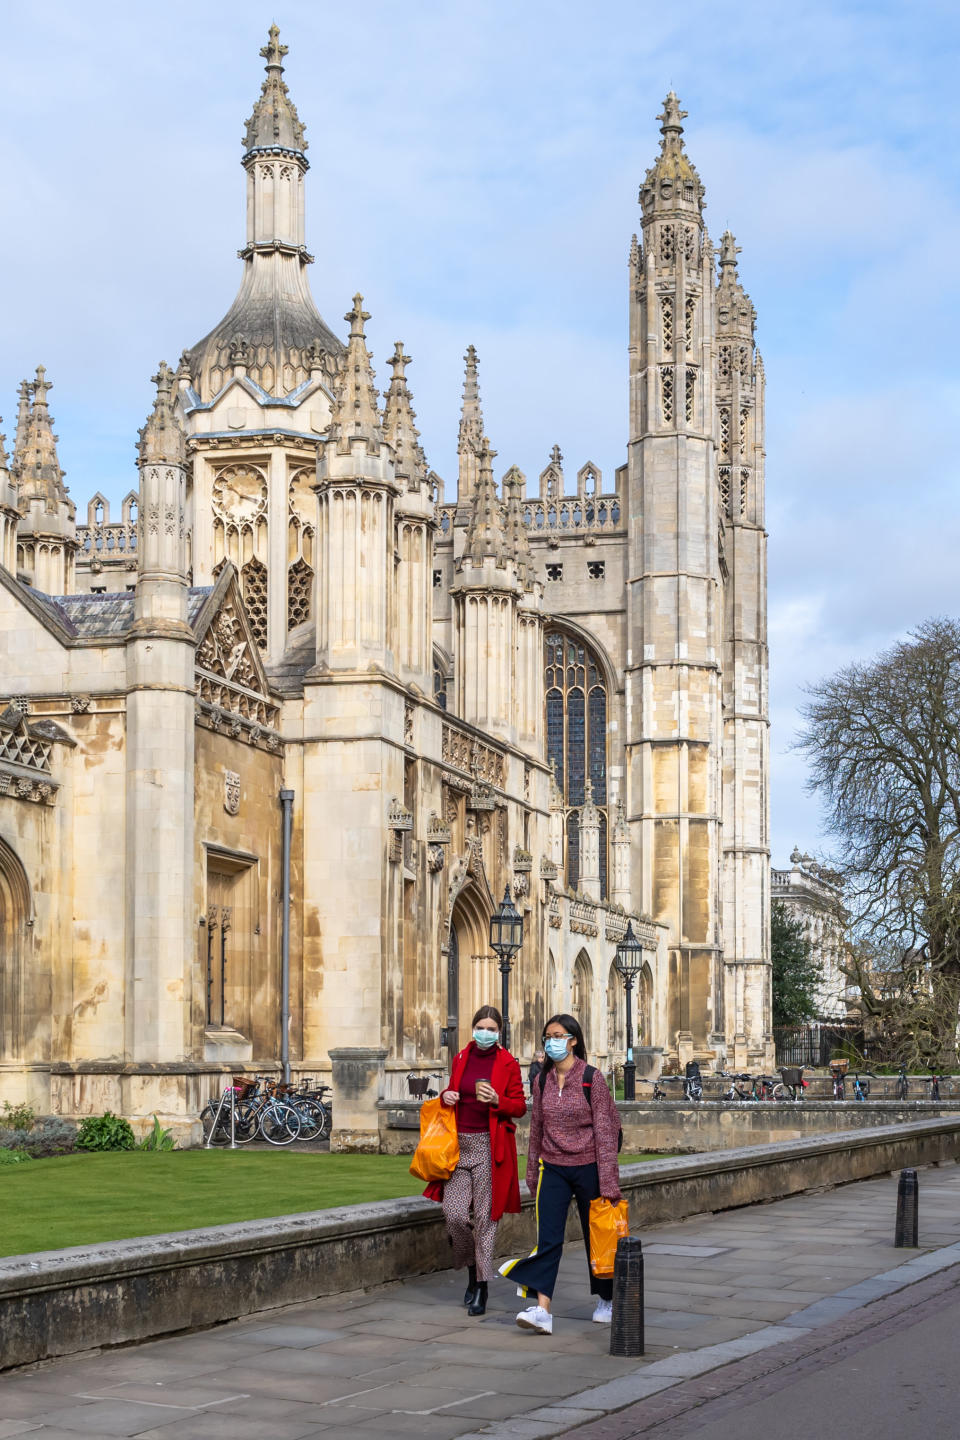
pixel 406 1361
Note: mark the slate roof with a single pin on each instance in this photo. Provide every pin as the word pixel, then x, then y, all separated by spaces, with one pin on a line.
pixel 106 617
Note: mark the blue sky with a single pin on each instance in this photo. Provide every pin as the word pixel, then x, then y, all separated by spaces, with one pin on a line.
pixel 474 173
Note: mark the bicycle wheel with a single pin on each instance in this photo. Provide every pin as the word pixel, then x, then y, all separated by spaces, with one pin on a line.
pixel 247 1122
pixel 220 1135
pixel 279 1123
pixel 783 1092
pixel 313 1119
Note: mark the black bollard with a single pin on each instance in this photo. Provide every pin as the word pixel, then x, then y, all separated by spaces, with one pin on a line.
pixel 626 1331
pixel 907 1210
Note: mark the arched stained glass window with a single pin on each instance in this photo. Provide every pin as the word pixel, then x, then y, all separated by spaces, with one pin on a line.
pixel 576 730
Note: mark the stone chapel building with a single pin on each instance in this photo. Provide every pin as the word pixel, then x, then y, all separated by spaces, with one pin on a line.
pixel 557 686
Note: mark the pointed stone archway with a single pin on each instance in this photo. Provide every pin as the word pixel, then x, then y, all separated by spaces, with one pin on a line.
pixel 472 977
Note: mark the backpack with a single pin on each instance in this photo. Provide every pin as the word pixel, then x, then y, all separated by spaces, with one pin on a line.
pixel 587 1083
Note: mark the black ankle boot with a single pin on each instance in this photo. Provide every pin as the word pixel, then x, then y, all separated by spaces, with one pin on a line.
pixel 471 1285
pixel 478 1305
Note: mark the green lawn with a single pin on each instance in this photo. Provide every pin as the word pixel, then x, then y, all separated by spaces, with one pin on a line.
pixel 86 1199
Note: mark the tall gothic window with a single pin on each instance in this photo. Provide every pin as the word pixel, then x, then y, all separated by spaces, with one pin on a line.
pixel 576 727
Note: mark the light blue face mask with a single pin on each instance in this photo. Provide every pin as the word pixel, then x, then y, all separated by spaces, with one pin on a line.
pixel 486 1038
pixel 556 1047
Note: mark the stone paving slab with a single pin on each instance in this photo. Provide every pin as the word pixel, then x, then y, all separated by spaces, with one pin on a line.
pixel 407 1361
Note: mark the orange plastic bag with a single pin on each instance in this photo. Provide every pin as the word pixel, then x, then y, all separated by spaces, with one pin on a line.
pixel 607 1223
pixel 435 1158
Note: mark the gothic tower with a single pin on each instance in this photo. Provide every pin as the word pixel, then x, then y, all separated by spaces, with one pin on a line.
pixel 257 390
pixel 9 513
pixel 675 612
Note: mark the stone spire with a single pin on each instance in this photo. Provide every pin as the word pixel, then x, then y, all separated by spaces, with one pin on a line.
pixel 672 182
pixel 470 438
pixel 399 430
pixel 274 123
pixel 517 536
pixel 273 333
pixel 486 538
pixel 355 413
pixel 735 311
pixel 24 395
pixel 162 441
pixel 9 513
pixel 39 474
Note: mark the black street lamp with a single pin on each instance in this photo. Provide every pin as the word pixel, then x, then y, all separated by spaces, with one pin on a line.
pixel 629 961
pixel 506 937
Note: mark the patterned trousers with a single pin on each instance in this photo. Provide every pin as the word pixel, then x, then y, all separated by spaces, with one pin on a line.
pixel 471 1184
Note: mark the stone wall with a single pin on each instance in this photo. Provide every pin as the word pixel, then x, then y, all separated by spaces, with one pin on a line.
pixel 61 1302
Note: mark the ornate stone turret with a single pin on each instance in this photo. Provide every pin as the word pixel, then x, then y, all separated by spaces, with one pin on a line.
pixel 485 607
pixel 620 848
pixel 589 843
pixel 738 382
pixel 469 440
pixel 161 595
pixel 47 533
pixel 9 512
pixel 159 751
pixel 357 488
pixel 416 527
pixel 273 332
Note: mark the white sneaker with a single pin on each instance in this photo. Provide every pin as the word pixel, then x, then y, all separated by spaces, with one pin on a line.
pixel 603 1315
pixel 536 1318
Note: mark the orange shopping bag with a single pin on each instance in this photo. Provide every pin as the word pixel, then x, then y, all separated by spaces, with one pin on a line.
pixel 608 1222
pixel 435 1158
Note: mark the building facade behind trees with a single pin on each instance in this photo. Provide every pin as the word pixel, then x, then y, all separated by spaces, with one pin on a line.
pixel 556 683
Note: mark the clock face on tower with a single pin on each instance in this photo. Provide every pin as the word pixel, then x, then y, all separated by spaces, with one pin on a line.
pixel 239 495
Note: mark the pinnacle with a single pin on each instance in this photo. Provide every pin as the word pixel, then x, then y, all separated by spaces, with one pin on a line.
pixel 485 538
pixel 471 416
pixel 672 115
pixel 398 422
pixel 274 122
pixel 355 413
pixel 729 250
pixel 517 537
pixel 162 440
pixel 36 462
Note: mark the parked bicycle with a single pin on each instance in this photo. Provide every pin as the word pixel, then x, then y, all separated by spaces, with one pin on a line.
pixel 861 1087
pixel 933 1080
pixel 903 1084
pixel 763 1088
pixel 734 1092
pixel 692 1082
pixel 419 1086
pixel 838 1071
pixel 792 1083
pixel 257 1110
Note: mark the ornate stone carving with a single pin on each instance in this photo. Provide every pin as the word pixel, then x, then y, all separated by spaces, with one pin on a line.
pixel 522 860
pixel 467 753
pixel 399 817
pixel 437 832
pixel 407 723
pixel 521 886
pixel 434 858
pixel 80 704
pixel 231 792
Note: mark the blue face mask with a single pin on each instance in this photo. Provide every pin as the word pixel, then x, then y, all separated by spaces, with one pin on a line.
pixel 556 1047
pixel 486 1038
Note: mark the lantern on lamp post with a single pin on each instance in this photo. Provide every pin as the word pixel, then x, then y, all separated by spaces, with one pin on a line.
pixel 629 960
pixel 506 937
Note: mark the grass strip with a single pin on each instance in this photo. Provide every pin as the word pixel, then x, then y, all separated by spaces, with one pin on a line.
pixel 89 1199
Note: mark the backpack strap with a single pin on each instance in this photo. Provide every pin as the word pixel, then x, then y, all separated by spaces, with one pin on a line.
pixel 586 1081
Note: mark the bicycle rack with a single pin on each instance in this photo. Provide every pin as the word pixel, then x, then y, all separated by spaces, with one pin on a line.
pixel 231 1091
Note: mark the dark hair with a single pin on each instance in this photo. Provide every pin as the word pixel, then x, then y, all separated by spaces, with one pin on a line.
pixel 572 1027
pixel 488 1012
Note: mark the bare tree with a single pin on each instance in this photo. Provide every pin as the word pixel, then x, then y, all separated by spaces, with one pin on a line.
pixel 883 743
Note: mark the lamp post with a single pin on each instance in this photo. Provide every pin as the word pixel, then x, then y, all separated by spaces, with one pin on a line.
pixel 506 937
pixel 628 960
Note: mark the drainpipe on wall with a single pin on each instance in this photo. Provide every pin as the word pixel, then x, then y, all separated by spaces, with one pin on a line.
pixel 286 801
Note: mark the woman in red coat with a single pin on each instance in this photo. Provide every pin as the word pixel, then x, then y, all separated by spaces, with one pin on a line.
pixel 487 1088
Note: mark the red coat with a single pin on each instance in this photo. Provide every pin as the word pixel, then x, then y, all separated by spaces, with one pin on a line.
pixel 507 1082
